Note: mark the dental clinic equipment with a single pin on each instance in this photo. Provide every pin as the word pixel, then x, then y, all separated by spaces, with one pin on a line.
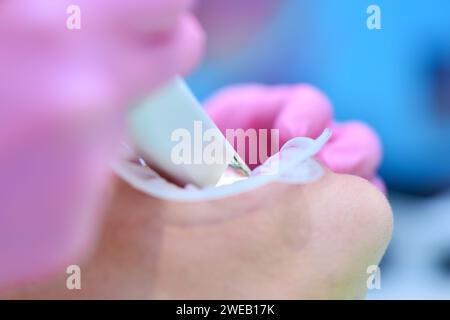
pixel 170 125
pixel 168 130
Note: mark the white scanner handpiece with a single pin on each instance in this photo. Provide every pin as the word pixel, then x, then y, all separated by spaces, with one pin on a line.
pixel 168 130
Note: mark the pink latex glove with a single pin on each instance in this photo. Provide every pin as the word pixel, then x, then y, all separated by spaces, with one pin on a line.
pixel 300 111
pixel 62 97
pixel 249 17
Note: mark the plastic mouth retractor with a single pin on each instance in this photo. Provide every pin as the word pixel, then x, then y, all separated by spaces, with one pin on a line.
pixel 293 164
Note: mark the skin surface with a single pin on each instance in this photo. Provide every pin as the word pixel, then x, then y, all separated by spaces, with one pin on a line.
pixel 309 241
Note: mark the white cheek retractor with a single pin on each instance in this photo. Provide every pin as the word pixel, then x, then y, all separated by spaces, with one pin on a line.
pixel 295 166
pixel 170 119
pixel 168 130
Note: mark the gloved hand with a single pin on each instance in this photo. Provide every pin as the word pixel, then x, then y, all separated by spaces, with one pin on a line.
pixel 300 111
pixel 62 96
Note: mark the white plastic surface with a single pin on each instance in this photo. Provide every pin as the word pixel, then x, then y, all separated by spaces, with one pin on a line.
pixel 294 164
pixel 151 132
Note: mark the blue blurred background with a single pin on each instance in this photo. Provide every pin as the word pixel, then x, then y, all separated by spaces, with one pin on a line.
pixel 396 79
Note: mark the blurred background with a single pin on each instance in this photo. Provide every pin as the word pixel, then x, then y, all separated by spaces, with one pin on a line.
pixel 396 79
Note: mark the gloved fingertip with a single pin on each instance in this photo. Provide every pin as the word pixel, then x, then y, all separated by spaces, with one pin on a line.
pixel 193 38
pixel 354 149
pixel 379 184
pixel 307 112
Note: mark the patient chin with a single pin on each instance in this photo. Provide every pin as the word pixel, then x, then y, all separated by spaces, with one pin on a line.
pixel 341 220
pixel 362 213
